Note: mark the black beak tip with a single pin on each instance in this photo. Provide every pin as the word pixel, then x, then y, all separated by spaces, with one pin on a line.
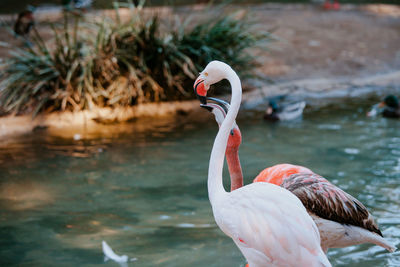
pixel 202 99
pixel 206 107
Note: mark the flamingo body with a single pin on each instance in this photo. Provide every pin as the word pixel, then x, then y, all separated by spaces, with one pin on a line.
pixel 342 220
pixel 277 173
pixel 269 224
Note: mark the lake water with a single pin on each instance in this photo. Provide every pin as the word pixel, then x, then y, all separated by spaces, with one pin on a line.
pixel 142 187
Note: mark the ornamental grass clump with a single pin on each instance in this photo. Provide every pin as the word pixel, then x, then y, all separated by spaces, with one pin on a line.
pixel 228 39
pixel 116 62
pixel 151 60
pixel 37 78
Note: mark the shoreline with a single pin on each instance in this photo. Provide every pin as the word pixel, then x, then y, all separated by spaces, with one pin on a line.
pixel 355 49
pixel 329 90
pixel 317 92
pixel 91 119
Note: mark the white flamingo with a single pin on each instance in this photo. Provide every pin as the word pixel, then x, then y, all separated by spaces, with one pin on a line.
pixel 341 219
pixel 269 224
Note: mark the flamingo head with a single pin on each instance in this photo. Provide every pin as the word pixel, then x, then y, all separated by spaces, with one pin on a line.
pixel 220 108
pixel 214 72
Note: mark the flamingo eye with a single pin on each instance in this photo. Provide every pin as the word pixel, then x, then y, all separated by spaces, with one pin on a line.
pixel 206 74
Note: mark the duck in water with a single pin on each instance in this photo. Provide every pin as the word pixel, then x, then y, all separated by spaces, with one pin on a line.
pixel 282 109
pixel 389 108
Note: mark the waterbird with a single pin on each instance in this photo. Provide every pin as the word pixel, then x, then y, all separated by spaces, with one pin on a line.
pixel 281 108
pixel 77 4
pixel 389 108
pixel 269 224
pixel 341 219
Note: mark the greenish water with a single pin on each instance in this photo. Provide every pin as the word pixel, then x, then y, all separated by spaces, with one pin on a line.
pixel 143 188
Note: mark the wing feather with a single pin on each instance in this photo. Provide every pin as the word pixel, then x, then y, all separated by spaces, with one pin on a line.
pixel 329 202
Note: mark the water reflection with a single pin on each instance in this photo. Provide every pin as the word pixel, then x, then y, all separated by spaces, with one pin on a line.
pixel 24 195
pixel 141 186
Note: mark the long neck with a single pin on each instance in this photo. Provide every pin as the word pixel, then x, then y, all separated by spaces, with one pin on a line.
pixel 235 170
pixel 215 186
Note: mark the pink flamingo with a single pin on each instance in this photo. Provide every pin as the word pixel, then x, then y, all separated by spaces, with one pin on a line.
pixel 342 220
pixel 269 224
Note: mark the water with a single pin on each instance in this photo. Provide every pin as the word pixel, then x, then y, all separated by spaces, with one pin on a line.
pixel 142 187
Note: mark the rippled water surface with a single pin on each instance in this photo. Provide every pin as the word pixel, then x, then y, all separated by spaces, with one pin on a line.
pixel 142 187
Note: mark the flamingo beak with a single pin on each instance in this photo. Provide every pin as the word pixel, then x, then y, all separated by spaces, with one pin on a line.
pixel 207 107
pixel 223 104
pixel 200 90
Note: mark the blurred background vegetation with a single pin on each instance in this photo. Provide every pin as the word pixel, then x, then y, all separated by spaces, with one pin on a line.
pixel 10 6
pixel 110 62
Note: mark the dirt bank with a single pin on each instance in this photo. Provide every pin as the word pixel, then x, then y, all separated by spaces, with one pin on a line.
pixel 314 43
pixel 70 121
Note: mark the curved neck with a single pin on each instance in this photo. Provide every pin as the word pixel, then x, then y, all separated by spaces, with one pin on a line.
pixel 215 186
pixel 235 170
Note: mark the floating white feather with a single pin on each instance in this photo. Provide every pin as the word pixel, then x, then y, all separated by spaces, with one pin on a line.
pixel 109 253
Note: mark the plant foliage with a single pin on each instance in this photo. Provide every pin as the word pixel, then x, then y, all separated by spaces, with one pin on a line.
pixel 118 63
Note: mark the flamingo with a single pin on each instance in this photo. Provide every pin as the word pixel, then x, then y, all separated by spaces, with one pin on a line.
pixel 268 224
pixel 341 219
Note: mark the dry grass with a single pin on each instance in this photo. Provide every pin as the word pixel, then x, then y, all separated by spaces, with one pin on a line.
pixel 116 63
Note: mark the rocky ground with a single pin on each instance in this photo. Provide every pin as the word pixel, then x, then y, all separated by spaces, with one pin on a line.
pixel 327 53
pixel 315 43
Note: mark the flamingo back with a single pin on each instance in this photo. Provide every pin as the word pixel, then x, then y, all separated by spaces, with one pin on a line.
pixel 277 173
pixel 327 201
